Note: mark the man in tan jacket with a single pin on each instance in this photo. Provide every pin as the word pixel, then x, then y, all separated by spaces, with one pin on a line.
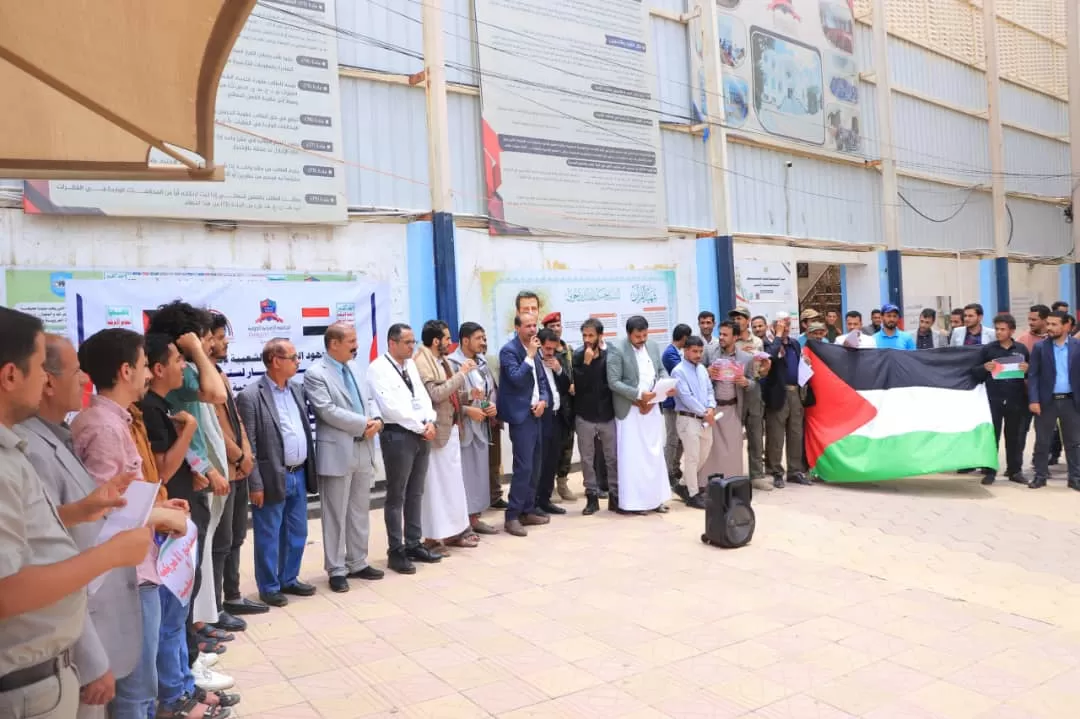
pixel 230 533
pixel 444 513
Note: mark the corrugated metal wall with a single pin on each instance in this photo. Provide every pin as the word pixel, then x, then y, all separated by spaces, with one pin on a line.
pixel 1039 229
pixel 971 224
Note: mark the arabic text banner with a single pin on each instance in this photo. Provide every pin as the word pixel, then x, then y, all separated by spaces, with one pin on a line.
pixel 257 312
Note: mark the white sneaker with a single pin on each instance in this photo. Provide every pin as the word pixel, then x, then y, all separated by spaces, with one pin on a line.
pixel 208 660
pixel 211 681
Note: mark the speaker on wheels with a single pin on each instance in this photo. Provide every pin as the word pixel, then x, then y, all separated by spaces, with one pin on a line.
pixel 729 518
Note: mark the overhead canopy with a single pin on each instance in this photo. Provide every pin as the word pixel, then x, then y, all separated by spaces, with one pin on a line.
pixel 88 87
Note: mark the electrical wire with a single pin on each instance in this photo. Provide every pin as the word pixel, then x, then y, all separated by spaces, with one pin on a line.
pixel 921 214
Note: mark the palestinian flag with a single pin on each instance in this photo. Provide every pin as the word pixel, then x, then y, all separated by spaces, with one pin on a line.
pixel 886 414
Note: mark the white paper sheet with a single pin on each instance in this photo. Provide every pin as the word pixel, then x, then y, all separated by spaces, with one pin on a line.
pixel 140 498
pixel 661 388
pixel 176 563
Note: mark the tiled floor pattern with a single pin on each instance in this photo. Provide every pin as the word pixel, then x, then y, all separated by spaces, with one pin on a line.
pixel 932 597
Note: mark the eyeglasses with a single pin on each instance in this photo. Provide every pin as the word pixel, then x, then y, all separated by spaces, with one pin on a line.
pixel 290 358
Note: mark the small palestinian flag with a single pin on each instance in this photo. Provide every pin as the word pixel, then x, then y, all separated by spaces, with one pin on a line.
pixel 316 320
pixel 884 414
pixel 1008 368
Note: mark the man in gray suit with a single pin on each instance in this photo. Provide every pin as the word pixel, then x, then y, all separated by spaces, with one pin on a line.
pixel 633 367
pixel 275 416
pixel 345 426
pixel 111 642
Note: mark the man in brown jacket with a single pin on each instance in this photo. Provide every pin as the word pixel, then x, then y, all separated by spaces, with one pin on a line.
pixel 232 529
pixel 444 511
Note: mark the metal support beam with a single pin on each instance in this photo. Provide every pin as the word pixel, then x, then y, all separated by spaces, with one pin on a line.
pixel 997 155
pixel 890 188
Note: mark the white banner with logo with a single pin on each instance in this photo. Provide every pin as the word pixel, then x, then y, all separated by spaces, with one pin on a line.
pixel 257 311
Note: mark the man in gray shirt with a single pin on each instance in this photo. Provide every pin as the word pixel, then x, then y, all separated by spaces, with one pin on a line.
pixel 43 600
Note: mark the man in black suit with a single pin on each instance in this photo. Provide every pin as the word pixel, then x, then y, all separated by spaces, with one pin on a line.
pixel 557 420
pixel 1054 397
pixel 783 407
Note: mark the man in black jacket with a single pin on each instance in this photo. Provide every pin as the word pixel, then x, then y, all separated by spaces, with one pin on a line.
pixel 784 408
pixel 1007 394
pixel 554 422
pixel 595 422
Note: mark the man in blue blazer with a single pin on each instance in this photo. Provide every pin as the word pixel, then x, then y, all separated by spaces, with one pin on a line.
pixel 524 395
pixel 1054 394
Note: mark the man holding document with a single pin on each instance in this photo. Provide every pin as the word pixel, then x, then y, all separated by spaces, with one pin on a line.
pixel 638 383
pixel 1004 366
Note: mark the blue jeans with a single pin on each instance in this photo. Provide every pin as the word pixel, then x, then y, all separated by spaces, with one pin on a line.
pixel 136 693
pixel 280 531
pixel 173 669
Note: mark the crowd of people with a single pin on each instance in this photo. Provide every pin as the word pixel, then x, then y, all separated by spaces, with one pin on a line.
pixel 648 422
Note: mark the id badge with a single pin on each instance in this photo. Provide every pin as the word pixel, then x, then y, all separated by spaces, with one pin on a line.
pixel 415 404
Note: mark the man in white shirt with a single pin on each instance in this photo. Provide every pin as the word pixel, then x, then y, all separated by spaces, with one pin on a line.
pixel 409 426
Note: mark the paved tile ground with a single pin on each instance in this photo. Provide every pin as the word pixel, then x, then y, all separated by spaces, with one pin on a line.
pixel 933 597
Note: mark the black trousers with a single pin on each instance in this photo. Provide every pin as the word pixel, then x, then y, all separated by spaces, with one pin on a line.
pixel 1011 418
pixel 200 515
pixel 1059 418
pixel 551 431
pixel 229 537
pixel 405 456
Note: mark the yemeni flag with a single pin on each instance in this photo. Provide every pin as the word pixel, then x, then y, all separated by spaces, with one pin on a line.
pixel 316 320
pixel 886 414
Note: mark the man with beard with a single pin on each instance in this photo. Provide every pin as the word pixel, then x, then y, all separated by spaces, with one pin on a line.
pixel 554 422
pixel 633 370
pixel 232 528
pixel 1036 332
pixel 595 421
pixel 732 372
pixel 476 427
pixel 1054 399
pixel 890 336
pixel 565 429
pixel 444 511
pixel 928 336
pixel 973 332
pixel 759 326
pixel 752 410
pixel 832 325
pixel 783 407
pixel 706 322
pixel 346 422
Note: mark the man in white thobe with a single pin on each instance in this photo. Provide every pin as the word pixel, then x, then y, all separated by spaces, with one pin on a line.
pixel 632 371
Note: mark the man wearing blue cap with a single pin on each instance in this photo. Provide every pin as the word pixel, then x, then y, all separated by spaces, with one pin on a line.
pixel 890 336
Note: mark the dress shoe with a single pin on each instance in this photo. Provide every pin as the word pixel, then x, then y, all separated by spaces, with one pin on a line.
pixel 400 563
pixel 778 481
pixel 1037 483
pixel 339 585
pixel 592 505
pixel 613 505
pixel 988 478
pixel 534 520
pixel 482 527
pixel 1019 478
pixel 515 529
pixel 499 503
pixel 697 501
pixel 422 554
pixel 799 478
pixel 549 508
pixel 681 492
pixel 228 623
pixel 369 573
pixel 1074 485
pixel 562 487
pixel 1054 461
pixel 277 599
pixel 761 484
pixel 243 605
pixel 300 589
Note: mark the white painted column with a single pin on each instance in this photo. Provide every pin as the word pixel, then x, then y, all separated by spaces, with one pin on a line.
pixel 704 20
pixel 886 148
pixel 996 137
pixel 1072 10
pixel 437 123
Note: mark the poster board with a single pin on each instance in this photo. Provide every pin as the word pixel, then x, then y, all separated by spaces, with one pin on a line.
pixel 767 287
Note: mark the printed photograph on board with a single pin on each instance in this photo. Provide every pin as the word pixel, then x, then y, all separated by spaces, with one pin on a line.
pixel 788 91
pixel 842 123
pixel 732 35
pixel 838 23
pixel 843 77
pixel 736 100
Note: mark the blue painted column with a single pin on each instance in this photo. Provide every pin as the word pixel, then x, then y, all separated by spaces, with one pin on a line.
pixel 1001 284
pixel 419 249
pixel 708 288
pixel 988 296
pixel 1067 274
pixel 892 280
pixel 724 262
pixel 446 296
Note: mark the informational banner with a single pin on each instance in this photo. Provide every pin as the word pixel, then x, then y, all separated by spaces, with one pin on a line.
pixel 42 292
pixel 788 70
pixel 766 287
pixel 611 297
pixel 280 88
pixel 257 312
pixel 571 128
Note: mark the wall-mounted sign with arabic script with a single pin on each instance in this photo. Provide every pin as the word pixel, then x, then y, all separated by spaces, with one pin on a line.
pixel 611 297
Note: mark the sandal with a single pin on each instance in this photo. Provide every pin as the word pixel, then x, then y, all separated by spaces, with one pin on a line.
pixel 209 646
pixel 187 708
pixel 662 509
pixel 465 539
pixel 222 699
pixel 482 527
pixel 218 635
